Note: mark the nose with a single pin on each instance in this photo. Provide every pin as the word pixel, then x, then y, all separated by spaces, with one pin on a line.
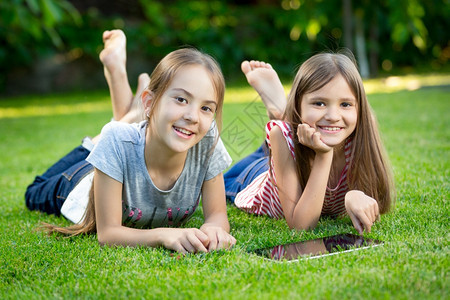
pixel 332 114
pixel 191 114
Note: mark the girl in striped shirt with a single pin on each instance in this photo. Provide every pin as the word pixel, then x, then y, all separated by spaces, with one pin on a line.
pixel 322 157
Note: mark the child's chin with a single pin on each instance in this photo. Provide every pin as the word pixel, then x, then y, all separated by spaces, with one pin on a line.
pixel 333 144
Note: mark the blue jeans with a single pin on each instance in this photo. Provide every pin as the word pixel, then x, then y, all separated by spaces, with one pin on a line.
pixel 48 192
pixel 245 171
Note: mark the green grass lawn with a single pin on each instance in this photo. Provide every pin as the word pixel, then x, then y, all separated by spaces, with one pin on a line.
pixel 413 263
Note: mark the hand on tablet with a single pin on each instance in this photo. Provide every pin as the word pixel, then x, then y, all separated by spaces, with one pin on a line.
pixel 362 209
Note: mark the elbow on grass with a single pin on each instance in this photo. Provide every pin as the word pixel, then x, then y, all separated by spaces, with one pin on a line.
pixel 106 238
pixel 102 240
pixel 300 226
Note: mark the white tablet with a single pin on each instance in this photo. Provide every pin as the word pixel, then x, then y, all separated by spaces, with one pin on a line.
pixel 320 247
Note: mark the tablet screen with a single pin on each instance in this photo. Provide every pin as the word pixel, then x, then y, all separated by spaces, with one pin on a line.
pixel 318 247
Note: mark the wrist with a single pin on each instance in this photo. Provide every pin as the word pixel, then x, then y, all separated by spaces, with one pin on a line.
pixel 352 196
pixel 160 235
pixel 324 158
pixel 209 225
pixel 355 192
pixel 157 236
pixel 206 226
pixel 325 151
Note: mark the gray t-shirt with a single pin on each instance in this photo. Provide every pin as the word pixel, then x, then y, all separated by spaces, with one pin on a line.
pixel 120 155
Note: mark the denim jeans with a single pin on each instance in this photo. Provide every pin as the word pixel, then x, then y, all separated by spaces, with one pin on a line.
pixel 48 192
pixel 245 171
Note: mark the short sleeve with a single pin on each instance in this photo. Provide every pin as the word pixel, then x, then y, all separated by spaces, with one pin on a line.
pixel 106 153
pixel 287 134
pixel 219 161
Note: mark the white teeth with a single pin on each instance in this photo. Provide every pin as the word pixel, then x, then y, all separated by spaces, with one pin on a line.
pixel 331 128
pixel 183 130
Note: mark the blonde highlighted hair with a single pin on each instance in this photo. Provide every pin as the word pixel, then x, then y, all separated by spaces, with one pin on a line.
pixel 369 170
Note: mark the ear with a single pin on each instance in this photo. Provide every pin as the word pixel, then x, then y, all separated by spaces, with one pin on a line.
pixel 147 97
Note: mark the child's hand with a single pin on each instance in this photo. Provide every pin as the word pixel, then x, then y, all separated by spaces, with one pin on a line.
pixel 362 209
pixel 185 240
pixel 309 137
pixel 218 238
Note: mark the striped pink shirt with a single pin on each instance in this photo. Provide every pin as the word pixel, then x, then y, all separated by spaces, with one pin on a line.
pixel 261 196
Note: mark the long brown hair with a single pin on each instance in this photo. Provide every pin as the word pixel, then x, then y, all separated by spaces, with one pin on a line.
pixel 369 171
pixel 160 80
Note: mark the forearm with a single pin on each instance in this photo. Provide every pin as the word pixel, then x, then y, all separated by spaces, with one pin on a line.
pixel 307 211
pixel 217 220
pixel 214 203
pixel 125 236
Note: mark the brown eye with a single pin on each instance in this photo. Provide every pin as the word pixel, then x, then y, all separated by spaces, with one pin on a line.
pixel 181 99
pixel 207 109
pixel 346 104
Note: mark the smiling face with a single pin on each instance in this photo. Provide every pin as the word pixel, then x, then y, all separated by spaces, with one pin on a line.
pixel 185 111
pixel 331 110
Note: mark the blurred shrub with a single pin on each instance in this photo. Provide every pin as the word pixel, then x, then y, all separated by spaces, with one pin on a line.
pixel 284 32
pixel 28 28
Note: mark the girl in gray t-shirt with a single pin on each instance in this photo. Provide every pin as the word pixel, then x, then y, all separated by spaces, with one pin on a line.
pixel 142 180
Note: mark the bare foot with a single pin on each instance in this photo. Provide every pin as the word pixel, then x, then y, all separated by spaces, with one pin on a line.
pixel 136 112
pixel 263 78
pixel 114 57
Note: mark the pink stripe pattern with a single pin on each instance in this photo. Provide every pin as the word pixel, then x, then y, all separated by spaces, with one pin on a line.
pixel 261 196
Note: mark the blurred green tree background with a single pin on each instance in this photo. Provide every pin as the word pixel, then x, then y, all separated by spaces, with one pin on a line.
pixel 51 45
